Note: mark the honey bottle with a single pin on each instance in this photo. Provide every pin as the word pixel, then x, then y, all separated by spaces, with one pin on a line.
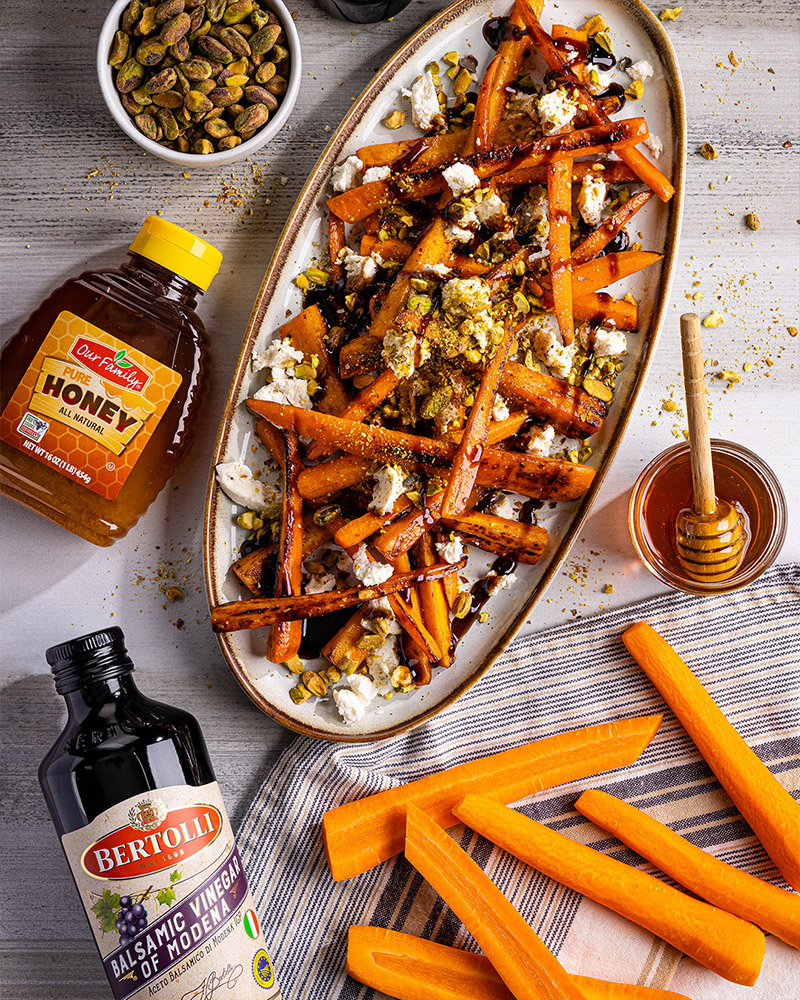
pixel 133 797
pixel 100 388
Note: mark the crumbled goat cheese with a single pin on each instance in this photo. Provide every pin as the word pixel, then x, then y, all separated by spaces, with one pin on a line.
pixel 489 211
pixel 381 604
pixel 400 351
pixel 237 481
pixel 344 563
pixel 540 441
pixel 388 488
pixel 437 270
pixel 524 104
pixel 461 178
pixel 605 343
pixel 381 664
pixel 502 506
pixel 466 297
pixel 535 215
pixel 655 145
pixel 457 234
pixel 555 355
pixel 320 584
pixel 278 354
pixel 352 701
pixel 347 174
pixel 368 572
pixel 500 409
pixel 424 101
pixel 556 109
pixel 360 270
pixel 604 81
pixel 286 390
pixel 641 70
pixel 451 550
pixel 592 199
pixel 377 174
pixel 504 582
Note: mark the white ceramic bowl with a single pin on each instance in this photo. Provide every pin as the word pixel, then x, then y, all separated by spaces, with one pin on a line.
pixel 123 119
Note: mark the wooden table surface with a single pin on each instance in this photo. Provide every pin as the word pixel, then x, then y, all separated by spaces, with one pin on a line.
pixel 75 192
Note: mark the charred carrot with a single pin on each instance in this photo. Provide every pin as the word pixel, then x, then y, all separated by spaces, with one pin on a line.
pixel 599 307
pixel 251 569
pixel 522 960
pixel 774 910
pixel 336 243
pixel 758 795
pixel 607 230
pixel 603 271
pixel 329 477
pixel 570 409
pixel 433 150
pixel 614 172
pixel 344 644
pixel 724 943
pixel 559 193
pixel 433 603
pixel 284 637
pixel 469 453
pixel 516 540
pixel 361 834
pixel 237 615
pixel 412 968
pixel 308 331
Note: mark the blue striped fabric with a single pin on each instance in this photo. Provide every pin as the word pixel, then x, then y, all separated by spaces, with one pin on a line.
pixel 745 648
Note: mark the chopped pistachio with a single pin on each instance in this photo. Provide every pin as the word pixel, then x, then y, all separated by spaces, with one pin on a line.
pixel 249 520
pixel 326 514
pixel 629 297
pixel 396 119
pixel 299 694
pixel 669 405
pixel 451 58
pixel 347 666
pixel 595 24
pixel 670 13
pixel 598 390
pixel 521 303
pixel 708 151
pixel 792 331
pixel 727 375
pixel 714 318
pixel 752 221
pixel 747 367
pixel 608 589
pixel 302 282
pixel 317 275
pixel 635 90
pixel 462 604
pixel 370 641
pixel 331 675
pixel 603 39
pixel 295 665
pixel 453 72
pixel 483 617
pixel 732 58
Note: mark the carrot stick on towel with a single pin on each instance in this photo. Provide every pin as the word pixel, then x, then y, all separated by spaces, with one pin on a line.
pixel 763 801
pixel 728 945
pixel 412 968
pixel 523 961
pixel 360 835
pixel 773 909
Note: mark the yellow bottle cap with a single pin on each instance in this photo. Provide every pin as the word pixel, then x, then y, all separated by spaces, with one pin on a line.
pixel 178 250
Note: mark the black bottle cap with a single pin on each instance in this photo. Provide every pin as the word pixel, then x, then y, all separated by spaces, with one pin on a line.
pixel 90 658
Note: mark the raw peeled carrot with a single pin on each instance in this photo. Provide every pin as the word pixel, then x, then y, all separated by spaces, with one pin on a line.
pixel 520 957
pixel 360 835
pixel 559 193
pixel 412 968
pixel 758 795
pixel 728 945
pixel 774 910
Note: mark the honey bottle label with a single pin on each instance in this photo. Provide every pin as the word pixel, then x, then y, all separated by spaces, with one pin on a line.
pixel 164 889
pixel 87 405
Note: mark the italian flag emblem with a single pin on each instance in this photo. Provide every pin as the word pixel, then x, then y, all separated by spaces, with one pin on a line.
pixel 251 925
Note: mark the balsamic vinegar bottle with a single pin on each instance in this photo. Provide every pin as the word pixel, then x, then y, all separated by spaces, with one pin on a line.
pixel 132 794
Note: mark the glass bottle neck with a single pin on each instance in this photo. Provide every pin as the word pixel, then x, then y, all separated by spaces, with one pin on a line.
pixel 161 281
pixel 94 694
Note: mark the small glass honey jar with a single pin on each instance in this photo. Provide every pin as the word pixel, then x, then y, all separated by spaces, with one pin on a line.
pixel 664 488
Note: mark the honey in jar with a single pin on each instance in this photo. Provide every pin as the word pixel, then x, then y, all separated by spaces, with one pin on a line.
pixel 101 386
pixel 665 488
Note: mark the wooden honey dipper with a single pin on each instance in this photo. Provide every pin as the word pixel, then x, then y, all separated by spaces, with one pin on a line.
pixel 711 535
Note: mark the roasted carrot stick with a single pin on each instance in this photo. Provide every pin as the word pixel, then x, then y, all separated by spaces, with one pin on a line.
pixel 419 656
pixel 642 167
pixel 272 439
pixel 343 644
pixel 237 615
pixel 599 307
pixel 545 478
pixel 329 477
pixel 613 172
pixel 361 834
pixel 520 957
pixel 469 453
pixel 758 795
pixel 394 249
pixel 336 243
pixel 284 637
pixel 603 271
pixel 606 231
pixel 728 945
pixel 433 603
pixel 433 150
pixel 412 968
pixel 570 409
pixel 516 540
pixel 559 192
pixel 773 909
pixel 251 568
pixel 307 331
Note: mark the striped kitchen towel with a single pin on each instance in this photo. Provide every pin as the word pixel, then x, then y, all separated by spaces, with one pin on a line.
pixel 745 647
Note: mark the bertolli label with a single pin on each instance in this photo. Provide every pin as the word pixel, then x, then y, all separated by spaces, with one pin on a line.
pixel 167 899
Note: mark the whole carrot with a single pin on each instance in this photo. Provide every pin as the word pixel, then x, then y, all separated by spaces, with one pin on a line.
pixel 728 945
pixel 750 898
pixel 758 795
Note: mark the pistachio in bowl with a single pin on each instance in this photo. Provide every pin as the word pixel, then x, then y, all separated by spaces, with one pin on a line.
pixel 199 80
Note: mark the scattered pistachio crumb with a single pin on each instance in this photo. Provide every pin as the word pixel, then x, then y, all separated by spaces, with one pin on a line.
pixel 728 375
pixel 608 589
pixel 396 119
pixel 747 366
pixel 483 617
pixel 708 151
pixel 670 13
pixel 792 331
pixel 732 59
pixel 714 318
pixel 669 405
pixel 635 90
pixel 752 221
